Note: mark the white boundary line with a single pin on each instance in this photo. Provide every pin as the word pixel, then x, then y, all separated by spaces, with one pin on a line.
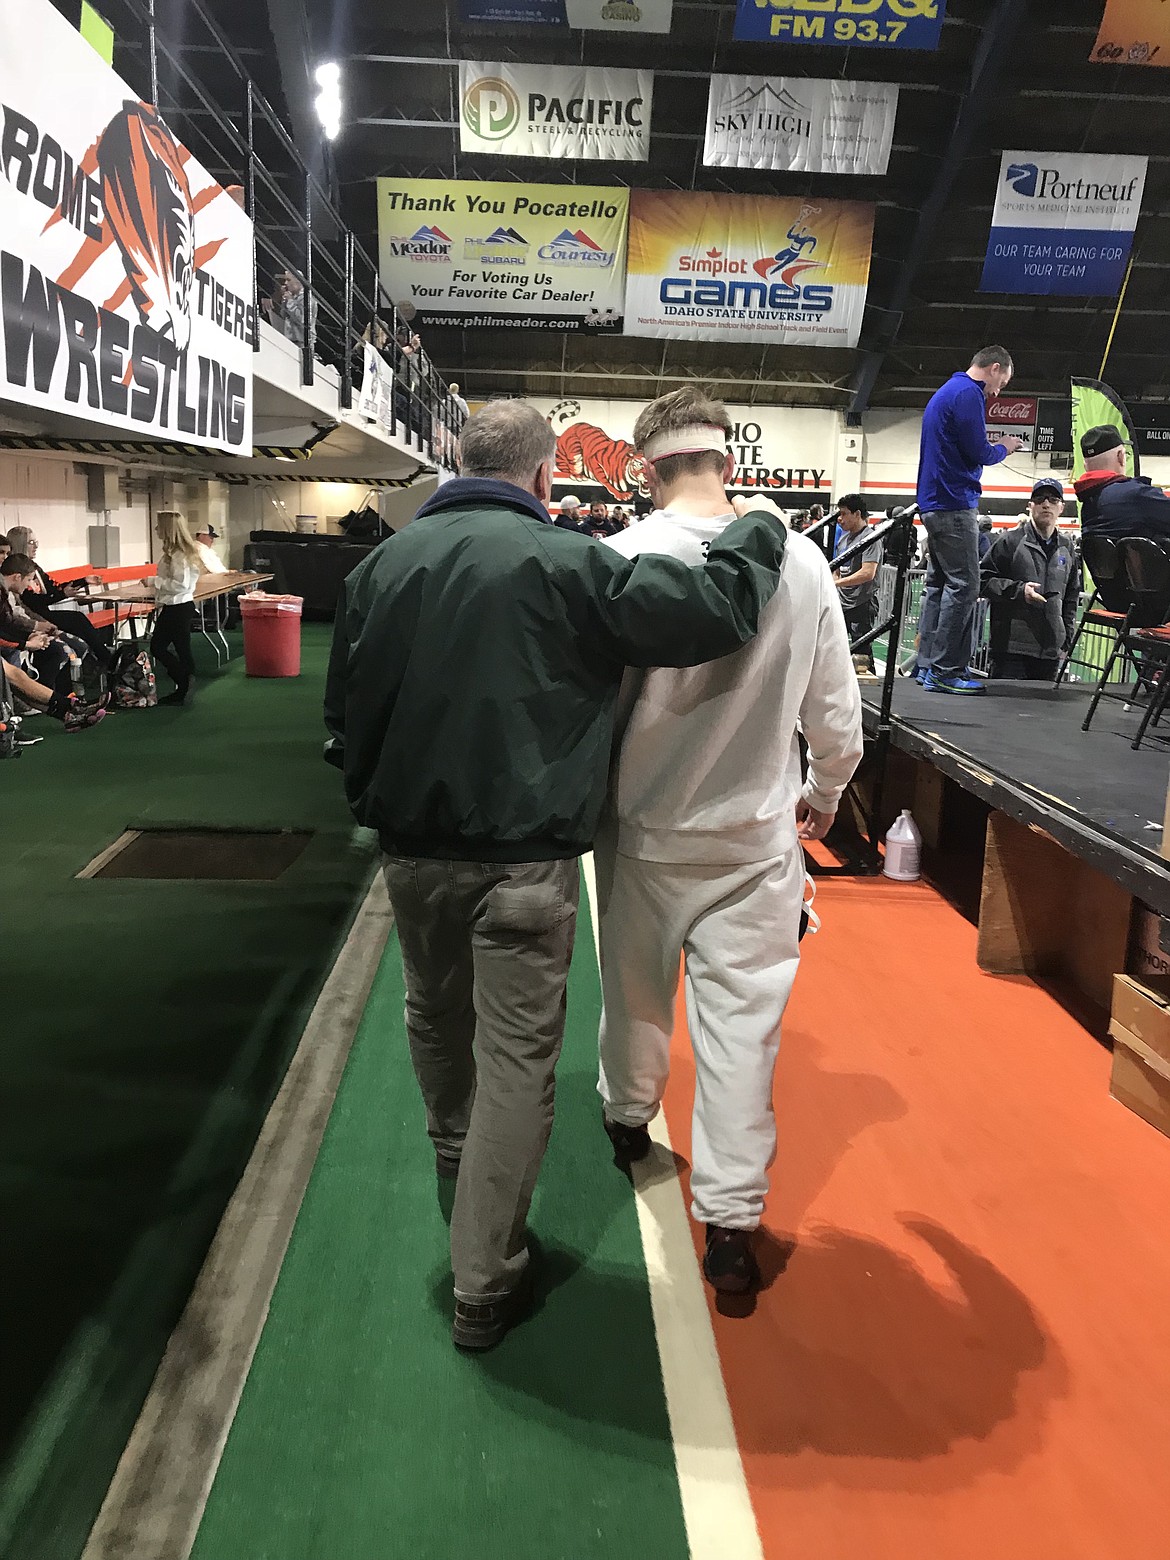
pixel 156 1500
pixel 717 1508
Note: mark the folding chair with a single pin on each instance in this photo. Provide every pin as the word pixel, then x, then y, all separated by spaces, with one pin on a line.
pixel 1147 568
pixel 1109 556
pixel 1109 604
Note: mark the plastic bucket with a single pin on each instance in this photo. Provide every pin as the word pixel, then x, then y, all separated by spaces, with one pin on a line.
pixel 272 634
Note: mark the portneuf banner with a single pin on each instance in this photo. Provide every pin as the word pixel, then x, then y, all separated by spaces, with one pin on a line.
pixel 516 255
pixel 881 24
pixel 747 268
pixel 125 269
pixel 555 111
pixel 1134 32
pixel 1063 223
pixel 799 125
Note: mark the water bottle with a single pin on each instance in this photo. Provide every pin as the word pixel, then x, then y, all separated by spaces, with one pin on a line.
pixel 903 850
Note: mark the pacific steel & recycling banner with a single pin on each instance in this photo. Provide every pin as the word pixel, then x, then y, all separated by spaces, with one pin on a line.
pixel 582 111
pixel 1134 32
pixel 1063 223
pixel 747 268
pixel 125 269
pixel 882 24
pixel 649 16
pixel 798 125
pixel 515 255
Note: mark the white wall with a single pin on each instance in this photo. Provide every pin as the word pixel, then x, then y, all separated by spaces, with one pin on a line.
pixel 49 495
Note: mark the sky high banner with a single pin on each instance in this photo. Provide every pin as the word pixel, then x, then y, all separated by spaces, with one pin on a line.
pixel 747 268
pixel 527 256
pixel 1063 223
pixel 125 269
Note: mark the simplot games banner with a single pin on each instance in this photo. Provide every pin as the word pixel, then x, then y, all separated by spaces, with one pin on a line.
pixel 747 268
pixel 1134 32
pixel 513 255
pixel 786 450
pixel 882 24
pixel 799 125
pixel 555 111
pixel 125 269
pixel 1063 223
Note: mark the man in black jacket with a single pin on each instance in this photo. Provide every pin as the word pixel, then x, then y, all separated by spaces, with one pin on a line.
pixel 1112 503
pixel 476 663
pixel 1033 580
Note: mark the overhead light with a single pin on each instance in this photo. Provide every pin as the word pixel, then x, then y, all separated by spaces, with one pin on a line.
pixel 328 103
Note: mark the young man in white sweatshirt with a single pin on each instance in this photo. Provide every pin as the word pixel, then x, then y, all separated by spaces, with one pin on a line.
pixel 701 853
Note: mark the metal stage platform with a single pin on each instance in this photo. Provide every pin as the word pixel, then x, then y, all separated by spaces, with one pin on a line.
pixel 1020 749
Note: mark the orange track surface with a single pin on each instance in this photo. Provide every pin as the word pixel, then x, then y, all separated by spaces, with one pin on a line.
pixel 967 1356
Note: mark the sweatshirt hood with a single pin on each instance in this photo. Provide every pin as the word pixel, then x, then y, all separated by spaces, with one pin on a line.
pixel 1094 481
pixel 468 492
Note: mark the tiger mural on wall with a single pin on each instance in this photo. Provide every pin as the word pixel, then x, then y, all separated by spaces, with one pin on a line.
pixel 587 453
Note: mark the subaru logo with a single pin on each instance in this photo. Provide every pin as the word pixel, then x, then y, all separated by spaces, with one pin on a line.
pixel 1022 177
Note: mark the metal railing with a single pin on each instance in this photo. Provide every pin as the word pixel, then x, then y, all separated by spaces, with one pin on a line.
pixel 176 55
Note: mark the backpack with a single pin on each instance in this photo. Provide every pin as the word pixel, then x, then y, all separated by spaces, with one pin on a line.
pixel 81 676
pixel 9 720
pixel 130 678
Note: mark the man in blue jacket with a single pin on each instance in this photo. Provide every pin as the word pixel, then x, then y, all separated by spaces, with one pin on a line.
pixel 953 454
pixel 1113 503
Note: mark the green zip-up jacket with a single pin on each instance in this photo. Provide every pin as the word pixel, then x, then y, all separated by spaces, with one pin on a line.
pixel 476 661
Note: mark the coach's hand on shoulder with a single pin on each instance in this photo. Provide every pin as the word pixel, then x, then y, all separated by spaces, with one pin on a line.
pixel 746 506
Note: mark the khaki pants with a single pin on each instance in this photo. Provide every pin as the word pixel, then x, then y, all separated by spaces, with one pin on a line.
pixel 486 950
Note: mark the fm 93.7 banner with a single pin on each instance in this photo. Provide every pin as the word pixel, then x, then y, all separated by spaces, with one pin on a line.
pixel 880 24
pixel 125 269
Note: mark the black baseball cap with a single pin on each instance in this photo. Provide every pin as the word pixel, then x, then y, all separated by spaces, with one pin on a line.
pixel 1046 487
pixel 1100 440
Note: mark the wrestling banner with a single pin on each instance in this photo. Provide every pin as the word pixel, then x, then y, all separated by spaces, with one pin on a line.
pixel 125 269
pixel 555 111
pixel 468 251
pixel 747 268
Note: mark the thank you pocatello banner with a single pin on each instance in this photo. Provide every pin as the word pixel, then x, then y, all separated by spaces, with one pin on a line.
pixel 555 111
pixel 747 268
pixel 125 269
pixel 1134 32
pixel 1063 223
pixel 882 24
pixel 511 255
pixel 799 125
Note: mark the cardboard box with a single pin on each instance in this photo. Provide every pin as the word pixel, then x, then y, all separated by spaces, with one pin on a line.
pixel 1143 1013
pixel 1146 959
pixel 1140 1079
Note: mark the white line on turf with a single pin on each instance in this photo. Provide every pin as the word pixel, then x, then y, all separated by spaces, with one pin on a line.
pixel 717 1508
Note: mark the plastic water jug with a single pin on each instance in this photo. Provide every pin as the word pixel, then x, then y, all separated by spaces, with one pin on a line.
pixel 903 850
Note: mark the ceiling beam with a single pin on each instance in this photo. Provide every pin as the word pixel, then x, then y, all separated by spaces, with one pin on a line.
pixel 975 105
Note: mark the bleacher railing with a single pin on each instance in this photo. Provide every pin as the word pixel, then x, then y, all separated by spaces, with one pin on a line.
pixel 175 55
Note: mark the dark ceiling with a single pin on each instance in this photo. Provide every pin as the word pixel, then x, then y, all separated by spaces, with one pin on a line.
pixel 1008 73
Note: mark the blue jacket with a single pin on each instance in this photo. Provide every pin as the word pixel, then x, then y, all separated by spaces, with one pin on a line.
pixel 1122 506
pixel 954 447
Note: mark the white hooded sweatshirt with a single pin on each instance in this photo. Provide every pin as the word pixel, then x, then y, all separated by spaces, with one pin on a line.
pixel 706 762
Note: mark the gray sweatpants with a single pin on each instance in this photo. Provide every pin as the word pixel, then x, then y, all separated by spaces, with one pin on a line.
pixel 485 950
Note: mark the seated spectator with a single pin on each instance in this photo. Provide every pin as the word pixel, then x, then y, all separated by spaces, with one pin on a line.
pixel 1113 503
pixel 569 518
pixel 211 561
pixel 57 604
pixel 857 584
pixel 22 633
pixel 65 707
pixel 1033 580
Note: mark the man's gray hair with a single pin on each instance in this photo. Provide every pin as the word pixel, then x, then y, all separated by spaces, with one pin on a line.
pixel 507 439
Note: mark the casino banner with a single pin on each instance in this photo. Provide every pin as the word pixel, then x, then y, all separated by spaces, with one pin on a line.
pixel 582 111
pixel 125 268
pixel 875 24
pixel 747 268
pixel 649 16
pixel 523 256
pixel 1134 32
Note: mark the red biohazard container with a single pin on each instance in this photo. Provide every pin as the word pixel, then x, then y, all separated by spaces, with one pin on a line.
pixel 272 634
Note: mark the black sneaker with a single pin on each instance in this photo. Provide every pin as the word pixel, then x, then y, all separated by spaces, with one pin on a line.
pixel 729 1263
pixel 480 1325
pixel 446 1166
pixel 630 1144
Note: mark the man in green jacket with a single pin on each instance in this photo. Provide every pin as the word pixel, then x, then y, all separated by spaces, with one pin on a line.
pixel 476 662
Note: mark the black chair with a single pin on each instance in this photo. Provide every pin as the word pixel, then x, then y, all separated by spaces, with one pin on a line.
pixel 1147 568
pixel 1109 604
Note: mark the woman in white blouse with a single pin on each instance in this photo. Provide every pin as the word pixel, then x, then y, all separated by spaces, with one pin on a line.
pixel 179 568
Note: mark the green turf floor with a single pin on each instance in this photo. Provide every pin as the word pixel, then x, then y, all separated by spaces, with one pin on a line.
pixel 363 1435
pixel 143 1031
